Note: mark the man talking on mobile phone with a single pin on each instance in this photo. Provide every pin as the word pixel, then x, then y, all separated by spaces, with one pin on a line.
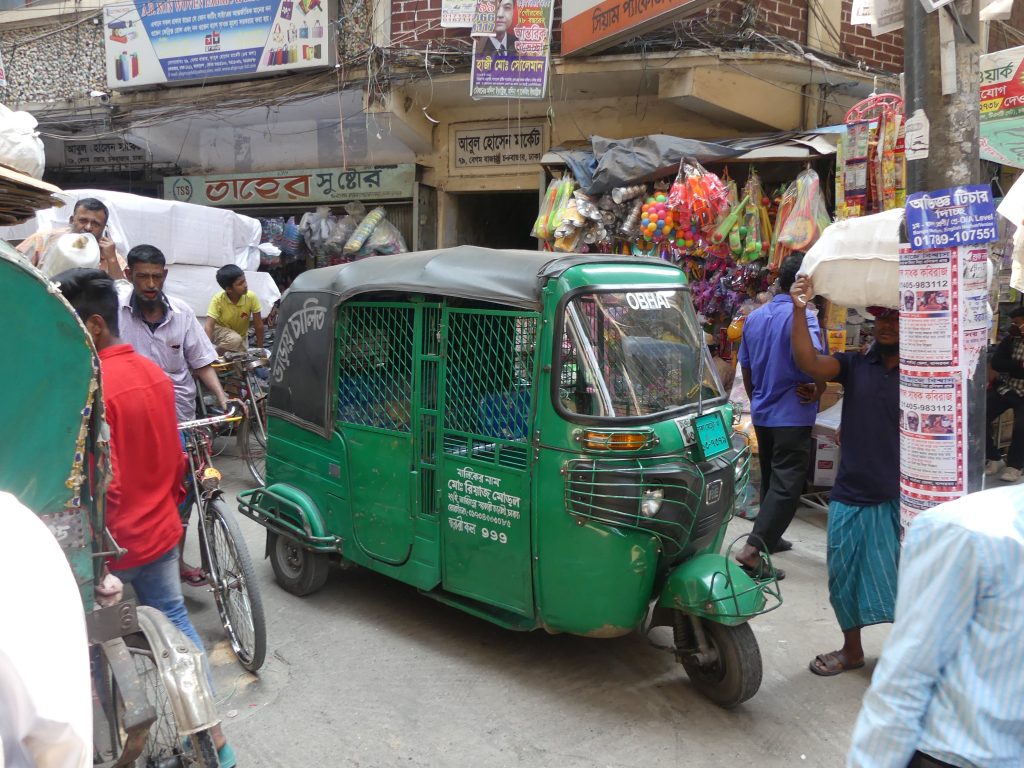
pixel 89 216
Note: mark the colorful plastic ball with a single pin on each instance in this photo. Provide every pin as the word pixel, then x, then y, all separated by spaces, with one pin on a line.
pixel 660 197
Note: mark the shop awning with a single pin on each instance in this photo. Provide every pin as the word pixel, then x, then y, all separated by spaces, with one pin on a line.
pixel 612 163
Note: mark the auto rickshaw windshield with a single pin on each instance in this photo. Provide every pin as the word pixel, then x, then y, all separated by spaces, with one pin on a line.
pixel 633 354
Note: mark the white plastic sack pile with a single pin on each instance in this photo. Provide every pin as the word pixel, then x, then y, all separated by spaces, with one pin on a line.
pixel 186 233
pixel 20 145
pixel 856 262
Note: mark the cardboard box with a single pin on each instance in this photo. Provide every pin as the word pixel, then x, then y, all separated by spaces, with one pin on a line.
pixel 832 394
pixel 826 463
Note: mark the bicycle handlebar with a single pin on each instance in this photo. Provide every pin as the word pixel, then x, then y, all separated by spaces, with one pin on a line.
pixel 231 415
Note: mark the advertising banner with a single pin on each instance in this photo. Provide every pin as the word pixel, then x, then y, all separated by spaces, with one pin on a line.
pixel 950 217
pixel 1002 106
pixel 175 41
pixel 511 47
pixel 944 320
pixel 457 13
pixel 317 185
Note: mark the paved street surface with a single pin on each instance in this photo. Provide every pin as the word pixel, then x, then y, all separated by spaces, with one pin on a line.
pixel 367 672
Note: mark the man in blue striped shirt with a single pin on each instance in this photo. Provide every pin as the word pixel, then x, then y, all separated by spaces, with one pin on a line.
pixel 949 688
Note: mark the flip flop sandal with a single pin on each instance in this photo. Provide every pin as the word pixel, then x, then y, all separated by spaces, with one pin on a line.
pixel 194 577
pixel 762 572
pixel 829 670
pixel 784 545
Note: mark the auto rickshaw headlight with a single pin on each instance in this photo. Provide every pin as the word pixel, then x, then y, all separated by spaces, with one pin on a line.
pixel 595 440
pixel 650 502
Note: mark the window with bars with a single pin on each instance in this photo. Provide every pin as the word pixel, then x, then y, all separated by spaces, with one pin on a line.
pixel 375 366
pixel 490 358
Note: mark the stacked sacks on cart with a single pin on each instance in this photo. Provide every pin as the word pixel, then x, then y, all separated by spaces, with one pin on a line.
pixel 196 240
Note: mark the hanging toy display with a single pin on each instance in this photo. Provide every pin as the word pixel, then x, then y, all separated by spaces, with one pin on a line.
pixel 729 239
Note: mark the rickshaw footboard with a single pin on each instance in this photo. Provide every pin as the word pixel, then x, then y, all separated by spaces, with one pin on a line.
pixel 289 513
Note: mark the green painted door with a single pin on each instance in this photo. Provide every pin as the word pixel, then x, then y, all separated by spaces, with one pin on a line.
pixel 375 415
pixel 488 373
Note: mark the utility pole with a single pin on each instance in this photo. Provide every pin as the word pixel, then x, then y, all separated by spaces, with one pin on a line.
pixel 941 77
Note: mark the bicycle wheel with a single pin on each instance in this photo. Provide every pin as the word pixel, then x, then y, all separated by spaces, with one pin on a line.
pixel 254 454
pixel 165 745
pixel 234 579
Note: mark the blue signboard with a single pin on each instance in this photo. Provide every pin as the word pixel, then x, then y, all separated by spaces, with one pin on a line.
pixel 950 217
pixel 186 40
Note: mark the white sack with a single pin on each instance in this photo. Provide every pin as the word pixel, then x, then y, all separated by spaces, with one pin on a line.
pixel 71 251
pixel 856 262
pixel 186 233
pixel 196 285
pixel 20 145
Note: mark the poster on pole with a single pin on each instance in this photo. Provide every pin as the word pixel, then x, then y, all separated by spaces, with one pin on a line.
pixel 950 217
pixel 178 41
pixel 511 61
pixel 457 13
pixel 928 320
pixel 931 434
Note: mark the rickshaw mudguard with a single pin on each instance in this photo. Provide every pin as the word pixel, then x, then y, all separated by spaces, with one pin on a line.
pixel 714 587
pixel 288 511
pixel 181 671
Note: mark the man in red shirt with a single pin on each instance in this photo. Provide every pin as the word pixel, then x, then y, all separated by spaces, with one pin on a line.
pixel 146 457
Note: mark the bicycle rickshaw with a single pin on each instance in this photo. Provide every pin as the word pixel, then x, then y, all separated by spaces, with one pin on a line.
pixel 540 440
pixel 151 691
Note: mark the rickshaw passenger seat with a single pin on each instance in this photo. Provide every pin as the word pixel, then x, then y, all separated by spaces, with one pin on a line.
pixel 505 415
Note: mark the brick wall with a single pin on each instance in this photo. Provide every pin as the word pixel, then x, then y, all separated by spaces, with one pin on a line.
pixel 414 22
pixel 882 52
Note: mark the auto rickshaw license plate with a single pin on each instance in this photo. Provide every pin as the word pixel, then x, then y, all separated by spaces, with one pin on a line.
pixel 712 439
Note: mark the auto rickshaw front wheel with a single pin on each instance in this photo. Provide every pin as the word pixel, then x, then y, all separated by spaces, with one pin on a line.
pixel 296 569
pixel 728 669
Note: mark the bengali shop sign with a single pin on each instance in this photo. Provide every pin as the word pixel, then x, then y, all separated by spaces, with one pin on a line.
pixel 186 40
pixel 590 25
pixel 318 185
pixel 1002 106
pixel 486 148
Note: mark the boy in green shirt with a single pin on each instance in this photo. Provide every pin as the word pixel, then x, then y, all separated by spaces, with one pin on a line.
pixel 231 311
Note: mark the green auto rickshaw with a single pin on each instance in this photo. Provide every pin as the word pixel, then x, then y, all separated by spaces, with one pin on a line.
pixel 538 439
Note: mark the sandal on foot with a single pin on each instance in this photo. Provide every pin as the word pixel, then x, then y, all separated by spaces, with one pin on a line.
pixel 829 664
pixel 226 756
pixel 762 572
pixel 194 577
pixel 784 545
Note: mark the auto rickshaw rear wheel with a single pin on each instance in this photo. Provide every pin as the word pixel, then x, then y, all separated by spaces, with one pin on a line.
pixel 730 672
pixel 296 569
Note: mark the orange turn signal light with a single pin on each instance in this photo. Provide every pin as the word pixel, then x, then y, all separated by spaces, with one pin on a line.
pixel 594 440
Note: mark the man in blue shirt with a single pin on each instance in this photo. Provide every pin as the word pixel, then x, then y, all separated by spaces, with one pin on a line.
pixel 782 417
pixel 864 507
pixel 949 688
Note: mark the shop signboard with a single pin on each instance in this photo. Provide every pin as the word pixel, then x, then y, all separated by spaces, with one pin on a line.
pixel 590 25
pixel 106 152
pixel 177 41
pixel 316 185
pixel 493 148
pixel 1002 107
pixel 511 49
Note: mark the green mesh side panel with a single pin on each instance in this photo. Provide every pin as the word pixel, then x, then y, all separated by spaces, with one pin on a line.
pixel 488 384
pixel 375 366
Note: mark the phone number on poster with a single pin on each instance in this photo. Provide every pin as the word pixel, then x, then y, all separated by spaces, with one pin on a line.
pixel 941 239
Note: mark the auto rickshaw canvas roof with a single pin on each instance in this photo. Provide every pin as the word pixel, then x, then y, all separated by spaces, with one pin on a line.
pixel 512 277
